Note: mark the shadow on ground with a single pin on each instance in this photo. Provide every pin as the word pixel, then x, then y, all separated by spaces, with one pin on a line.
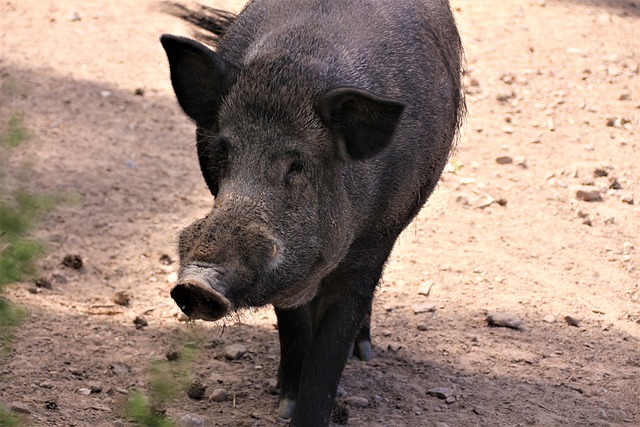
pixel 619 7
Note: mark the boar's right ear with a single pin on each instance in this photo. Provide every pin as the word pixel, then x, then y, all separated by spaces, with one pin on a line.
pixel 361 124
pixel 200 78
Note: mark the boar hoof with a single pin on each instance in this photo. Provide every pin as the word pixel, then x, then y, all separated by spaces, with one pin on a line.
pixel 286 408
pixel 198 300
pixel 363 350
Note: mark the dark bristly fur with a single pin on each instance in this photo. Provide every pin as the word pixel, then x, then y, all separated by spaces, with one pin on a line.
pixel 323 126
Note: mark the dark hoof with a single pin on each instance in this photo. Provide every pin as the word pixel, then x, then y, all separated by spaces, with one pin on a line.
pixel 286 408
pixel 362 350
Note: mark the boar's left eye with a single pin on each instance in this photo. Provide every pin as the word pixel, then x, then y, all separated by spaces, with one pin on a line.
pixel 294 169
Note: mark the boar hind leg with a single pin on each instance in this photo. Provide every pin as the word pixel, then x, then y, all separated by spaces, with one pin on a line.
pixel 294 331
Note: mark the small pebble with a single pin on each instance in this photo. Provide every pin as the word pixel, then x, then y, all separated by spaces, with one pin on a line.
pixel 139 92
pixel 190 420
pixel 522 162
pixel 357 401
pixel 549 318
pixel 614 184
pixel 504 160
pixel 341 391
pixel 423 308
pixel 120 368
pixel 272 387
pixel 140 322
pixel 219 395
pixel 422 327
pixel 479 411
pixel 234 351
pixel 122 298
pixel 84 391
pixel 598 172
pixel 440 392
pixel 73 17
pixel 95 388
pixel 172 356
pixel 77 372
pixel 504 97
pixel 449 400
pixel 196 390
pixel 20 407
pixel 589 195
pixel 394 347
pixel 505 320
pixel 628 199
pixel 72 261
pixel 572 321
pixel 43 282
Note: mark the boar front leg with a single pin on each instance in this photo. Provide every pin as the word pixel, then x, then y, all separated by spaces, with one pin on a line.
pixel 294 332
pixel 337 319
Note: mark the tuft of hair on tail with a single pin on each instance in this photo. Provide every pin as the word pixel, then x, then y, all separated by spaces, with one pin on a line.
pixel 212 23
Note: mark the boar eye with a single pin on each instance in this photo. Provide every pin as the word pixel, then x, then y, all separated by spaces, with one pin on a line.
pixel 294 169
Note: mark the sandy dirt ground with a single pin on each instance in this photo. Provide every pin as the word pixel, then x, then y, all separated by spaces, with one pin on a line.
pixel 554 114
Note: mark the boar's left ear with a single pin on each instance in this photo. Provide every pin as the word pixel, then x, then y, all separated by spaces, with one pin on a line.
pixel 361 124
pixel 200 78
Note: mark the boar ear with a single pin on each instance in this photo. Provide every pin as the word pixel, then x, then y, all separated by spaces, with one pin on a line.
pixel 361 124
pixel 200 78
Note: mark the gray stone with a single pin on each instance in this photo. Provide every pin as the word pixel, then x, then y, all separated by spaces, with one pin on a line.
pixel 506 320
pixel 423 308
pixel 440 392
pixel 191 420
pixel 357 401
pixel 572 321
pixel 587 195
pixel 234 351
pixel 219 395
pixel 20 407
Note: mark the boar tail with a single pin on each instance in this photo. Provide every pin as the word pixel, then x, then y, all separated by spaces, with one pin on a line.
pixel 212 23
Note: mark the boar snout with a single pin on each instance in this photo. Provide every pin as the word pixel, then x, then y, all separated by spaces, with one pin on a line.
pixel 200 295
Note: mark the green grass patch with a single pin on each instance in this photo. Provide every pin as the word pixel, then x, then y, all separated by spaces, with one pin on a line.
pixel 7 419
pixel 168 381
pixel 14 133
pixel 140 411
pixel 20 213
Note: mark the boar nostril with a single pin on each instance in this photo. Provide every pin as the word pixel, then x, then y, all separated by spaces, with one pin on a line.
pixel 198 300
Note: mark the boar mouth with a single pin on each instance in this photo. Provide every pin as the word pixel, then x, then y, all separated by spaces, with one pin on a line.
pixel 197 298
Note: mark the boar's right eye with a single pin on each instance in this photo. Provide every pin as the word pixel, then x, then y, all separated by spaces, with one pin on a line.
pixel 294 170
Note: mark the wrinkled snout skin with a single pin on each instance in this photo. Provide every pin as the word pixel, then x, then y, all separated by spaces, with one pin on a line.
pixel 322 129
